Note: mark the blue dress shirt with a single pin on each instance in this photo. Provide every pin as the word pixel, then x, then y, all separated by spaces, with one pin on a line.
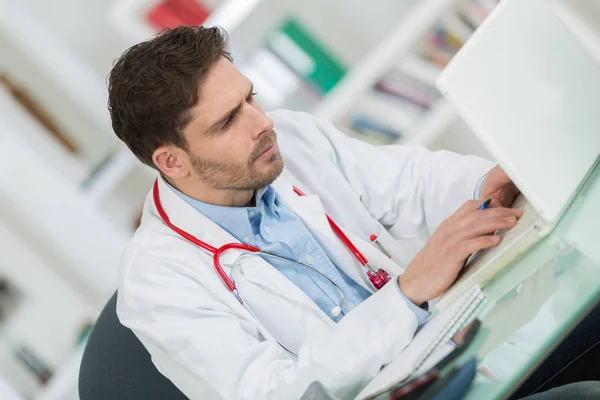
pixel 272 227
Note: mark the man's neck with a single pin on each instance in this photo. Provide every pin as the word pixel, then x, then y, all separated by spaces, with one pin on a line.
pixel 218 197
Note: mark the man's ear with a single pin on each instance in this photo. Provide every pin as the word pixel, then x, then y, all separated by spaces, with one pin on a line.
pixel 171 161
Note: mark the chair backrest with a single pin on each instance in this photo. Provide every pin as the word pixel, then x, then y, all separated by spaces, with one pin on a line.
pixel 117 366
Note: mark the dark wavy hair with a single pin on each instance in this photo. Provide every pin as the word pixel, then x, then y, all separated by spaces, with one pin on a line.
pixel 154 84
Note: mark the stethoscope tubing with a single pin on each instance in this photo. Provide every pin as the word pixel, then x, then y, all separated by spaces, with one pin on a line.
pixel 272 255
pixel 377 278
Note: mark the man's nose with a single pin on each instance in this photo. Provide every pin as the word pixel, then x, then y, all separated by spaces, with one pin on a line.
pixel 261 123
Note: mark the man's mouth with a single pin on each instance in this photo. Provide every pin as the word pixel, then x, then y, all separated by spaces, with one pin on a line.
pixel 268 152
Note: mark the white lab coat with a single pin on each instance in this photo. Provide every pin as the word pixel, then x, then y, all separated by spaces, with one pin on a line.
pixel 211 347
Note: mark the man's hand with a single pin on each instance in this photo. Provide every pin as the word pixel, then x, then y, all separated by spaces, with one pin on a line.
pixel 467 231
pixel 498 186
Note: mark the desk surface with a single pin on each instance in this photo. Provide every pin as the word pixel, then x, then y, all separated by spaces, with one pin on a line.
pixel 539 299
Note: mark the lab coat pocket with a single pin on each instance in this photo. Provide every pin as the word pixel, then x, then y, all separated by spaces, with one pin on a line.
pixel 393 248
pixel 409 231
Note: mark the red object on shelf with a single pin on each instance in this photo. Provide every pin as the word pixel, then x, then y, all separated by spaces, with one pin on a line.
pixel 172 13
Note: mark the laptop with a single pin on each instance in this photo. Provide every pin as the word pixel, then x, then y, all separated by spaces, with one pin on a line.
pixel 530 92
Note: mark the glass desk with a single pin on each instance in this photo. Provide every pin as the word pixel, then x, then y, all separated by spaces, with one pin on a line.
pixel 535 302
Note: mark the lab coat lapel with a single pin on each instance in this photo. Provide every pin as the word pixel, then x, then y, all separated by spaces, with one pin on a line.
pixel 271 296
pixel 310 211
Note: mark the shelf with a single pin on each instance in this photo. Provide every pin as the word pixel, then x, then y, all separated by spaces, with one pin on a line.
pixel 412 27
pixel 433 124
pixel 127 16
pixel 419 68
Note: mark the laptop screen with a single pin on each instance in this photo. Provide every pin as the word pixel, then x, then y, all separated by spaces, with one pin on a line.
pixel 531 93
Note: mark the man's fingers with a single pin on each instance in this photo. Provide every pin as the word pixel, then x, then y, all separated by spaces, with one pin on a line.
pixel 472 206
pixel 471 246
pixel 495 203
pixel 494 213
pixel 482 222
pixel 467 208
pixel 490 225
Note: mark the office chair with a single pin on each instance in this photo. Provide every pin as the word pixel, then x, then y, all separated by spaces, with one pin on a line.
pixel 117 366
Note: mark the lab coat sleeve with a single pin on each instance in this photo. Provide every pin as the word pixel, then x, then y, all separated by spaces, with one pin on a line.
pixel 209 350
pixel 409 189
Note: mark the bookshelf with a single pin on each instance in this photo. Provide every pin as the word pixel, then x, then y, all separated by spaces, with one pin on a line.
pixel 419 68
pixel 409 60
pixel 399 41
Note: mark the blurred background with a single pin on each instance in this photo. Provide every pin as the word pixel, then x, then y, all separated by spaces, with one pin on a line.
pixel 71 193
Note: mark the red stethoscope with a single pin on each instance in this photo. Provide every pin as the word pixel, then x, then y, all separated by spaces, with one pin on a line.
pixel 377 278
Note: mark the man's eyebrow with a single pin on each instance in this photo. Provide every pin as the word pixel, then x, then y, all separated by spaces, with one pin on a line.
pixel 231 112
pixel 221 120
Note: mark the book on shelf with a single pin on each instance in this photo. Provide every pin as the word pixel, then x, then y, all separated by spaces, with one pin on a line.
pixel 276 84
pixel 433 53
pixel 273 80
pixel 440 45
pixel 477 10
pixel 454 29
pixel 408 88
pixel 306 55
pixel 391 112
pixel 457 27
pixel 419 68
pixel 173 13
pixel 372 131
pixel 393 107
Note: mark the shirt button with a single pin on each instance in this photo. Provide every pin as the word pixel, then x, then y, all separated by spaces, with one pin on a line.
pixel 310 259
pixel 267 230
pixel 246 238
pixel 251 213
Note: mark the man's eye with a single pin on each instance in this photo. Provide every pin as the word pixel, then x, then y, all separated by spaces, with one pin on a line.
pixel 250 98
pixel 228 122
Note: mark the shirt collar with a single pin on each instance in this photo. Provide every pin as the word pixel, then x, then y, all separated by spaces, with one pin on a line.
pixel 266 194
pixel 234 220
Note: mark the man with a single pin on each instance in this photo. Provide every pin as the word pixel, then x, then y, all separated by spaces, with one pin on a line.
pixel 182 108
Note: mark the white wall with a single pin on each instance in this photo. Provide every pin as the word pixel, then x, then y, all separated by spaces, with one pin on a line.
pixel 459 138
pixel 83 26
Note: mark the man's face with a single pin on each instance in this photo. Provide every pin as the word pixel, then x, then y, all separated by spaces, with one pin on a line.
pixel 231 141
